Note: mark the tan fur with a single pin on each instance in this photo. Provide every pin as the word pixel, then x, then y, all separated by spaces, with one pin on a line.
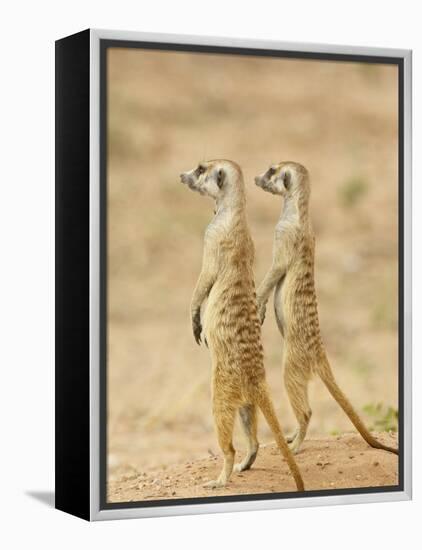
pixel 295 301
pixel 231 326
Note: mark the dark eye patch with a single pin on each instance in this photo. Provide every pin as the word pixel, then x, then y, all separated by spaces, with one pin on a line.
pixel 220 178
pixel 287 180
pixel 270 172
pixel 200 170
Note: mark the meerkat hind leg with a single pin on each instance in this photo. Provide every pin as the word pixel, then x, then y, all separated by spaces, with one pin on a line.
pixel 224 422
pixel 248 421
pixel 297 391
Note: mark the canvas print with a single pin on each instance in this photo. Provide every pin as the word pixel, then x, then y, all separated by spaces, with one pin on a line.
pixel 252 260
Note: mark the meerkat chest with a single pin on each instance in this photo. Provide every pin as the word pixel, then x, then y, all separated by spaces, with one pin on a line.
pixel 220 221
pixel 284 228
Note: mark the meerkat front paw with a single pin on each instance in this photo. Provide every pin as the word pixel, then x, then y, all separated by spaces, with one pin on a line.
pixel 197 327
pixel 261 313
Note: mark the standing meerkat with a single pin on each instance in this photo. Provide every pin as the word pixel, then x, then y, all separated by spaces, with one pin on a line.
pixel 230 323
pixel 295 302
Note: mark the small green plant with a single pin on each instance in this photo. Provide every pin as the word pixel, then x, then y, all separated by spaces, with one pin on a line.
pixel 384 418
pixel 352 191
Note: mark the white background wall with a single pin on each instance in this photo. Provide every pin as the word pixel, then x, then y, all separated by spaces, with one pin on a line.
pixel 27 270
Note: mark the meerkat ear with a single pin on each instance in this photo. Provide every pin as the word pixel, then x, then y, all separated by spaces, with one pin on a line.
pixel 287 180
pixel 220 178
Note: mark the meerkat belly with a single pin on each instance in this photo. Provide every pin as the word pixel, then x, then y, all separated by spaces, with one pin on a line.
pixel 230 319
pixel 298 310
pixel 288 302
pixel 222 310
pixel 212 314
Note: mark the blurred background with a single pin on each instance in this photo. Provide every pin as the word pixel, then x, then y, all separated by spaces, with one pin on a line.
pixel 166 112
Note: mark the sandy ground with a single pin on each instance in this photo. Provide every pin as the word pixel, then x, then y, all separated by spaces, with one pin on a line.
pixel 166 113
pixel 344 461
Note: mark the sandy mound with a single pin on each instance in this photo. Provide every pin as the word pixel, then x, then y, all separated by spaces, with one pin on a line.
pixel 344 461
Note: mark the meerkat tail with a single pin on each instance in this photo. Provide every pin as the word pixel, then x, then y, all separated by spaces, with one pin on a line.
pixel 326 375
pixel 268 411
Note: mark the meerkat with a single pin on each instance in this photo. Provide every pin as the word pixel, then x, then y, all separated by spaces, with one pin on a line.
pixel 295 301
pixel 230 321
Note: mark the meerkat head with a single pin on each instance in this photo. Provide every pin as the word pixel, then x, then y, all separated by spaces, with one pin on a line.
pixel 215 178
pixel 286 179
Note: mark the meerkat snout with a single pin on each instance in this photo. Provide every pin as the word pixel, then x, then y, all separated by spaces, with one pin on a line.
pixel 270 180
pixel 185 178
pixel 193 180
